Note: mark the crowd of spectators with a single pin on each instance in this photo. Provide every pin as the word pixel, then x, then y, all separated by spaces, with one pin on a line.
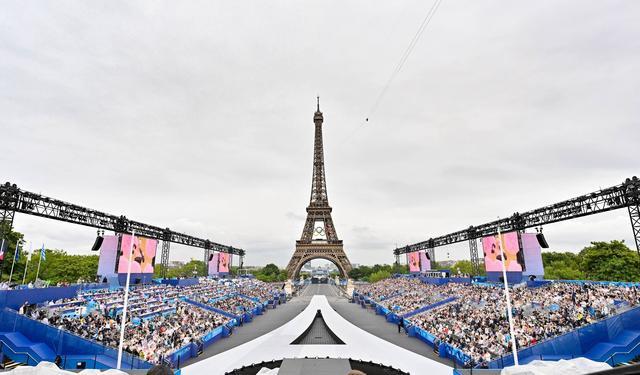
pixel 235 305
pixel 150 339
pixel 420 295
pixel 159 321
pixel 476 322
pixel 386 288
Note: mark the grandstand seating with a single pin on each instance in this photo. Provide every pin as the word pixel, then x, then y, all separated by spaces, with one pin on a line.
pixel 93 314
pixel 555 307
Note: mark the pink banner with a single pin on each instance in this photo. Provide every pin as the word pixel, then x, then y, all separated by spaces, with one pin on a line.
pixel 414 261
pixel 223 264
pixel 510 247
pixel 425 263
pixel 143 254
pixel 213 265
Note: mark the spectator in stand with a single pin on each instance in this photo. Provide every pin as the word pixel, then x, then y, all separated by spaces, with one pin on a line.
pixel 476 322
pixel 160 322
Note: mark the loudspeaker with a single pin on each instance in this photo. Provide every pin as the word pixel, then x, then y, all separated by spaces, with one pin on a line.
pixel 542 241
pixel 97 243
pixel 210 257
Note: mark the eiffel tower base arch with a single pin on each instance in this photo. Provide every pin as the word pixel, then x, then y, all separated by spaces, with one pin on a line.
pixel 307 252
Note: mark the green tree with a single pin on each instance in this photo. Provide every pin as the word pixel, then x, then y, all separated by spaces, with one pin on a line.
pixel 270 269
pixel 193 265
pixel 380 275
pixel 462 266
pixel 11 238
pixel 399 268
pixel 360 273
pixel 562 266
pixel 610 261
pixel 271 273
pixel 558 270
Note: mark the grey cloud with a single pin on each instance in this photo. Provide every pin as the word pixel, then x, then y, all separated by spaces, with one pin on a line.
pixel 198 116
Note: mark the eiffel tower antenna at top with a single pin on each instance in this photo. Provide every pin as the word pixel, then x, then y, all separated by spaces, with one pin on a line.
pixel 318 97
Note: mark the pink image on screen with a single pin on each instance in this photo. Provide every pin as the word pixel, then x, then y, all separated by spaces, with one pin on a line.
pixel 223 264
pixel 142 256
pixel 213 265
pixel 510 248
pixel 414 261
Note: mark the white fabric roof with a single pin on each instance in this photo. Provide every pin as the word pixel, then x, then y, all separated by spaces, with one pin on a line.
pixel 359 344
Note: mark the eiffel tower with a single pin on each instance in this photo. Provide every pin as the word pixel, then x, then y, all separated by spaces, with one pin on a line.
pixel 319 238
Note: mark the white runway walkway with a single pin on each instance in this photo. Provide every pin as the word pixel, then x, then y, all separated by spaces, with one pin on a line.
pixel 359 345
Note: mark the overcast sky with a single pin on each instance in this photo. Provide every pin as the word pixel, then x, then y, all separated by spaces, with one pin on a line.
pixel 198 116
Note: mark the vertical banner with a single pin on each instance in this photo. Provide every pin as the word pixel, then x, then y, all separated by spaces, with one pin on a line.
pixel 425 262
pixel 532 255
pixel 510 247
pixel 213 264
pixel 108 255
pixel 223 264
pixel 413 259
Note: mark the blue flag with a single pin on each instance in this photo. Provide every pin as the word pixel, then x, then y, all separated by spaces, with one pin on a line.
pixel 16 256
pixel 43 254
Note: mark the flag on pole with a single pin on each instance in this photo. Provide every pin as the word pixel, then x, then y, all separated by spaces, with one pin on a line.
pixel 43 254
pixel 2 250
pixel 16 256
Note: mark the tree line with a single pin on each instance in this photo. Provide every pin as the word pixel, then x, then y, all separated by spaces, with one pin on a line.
pixel 605 261
pixel 601 261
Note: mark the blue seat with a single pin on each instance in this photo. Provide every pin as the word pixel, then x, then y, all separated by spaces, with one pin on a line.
pixel 623 342
pixel 17 342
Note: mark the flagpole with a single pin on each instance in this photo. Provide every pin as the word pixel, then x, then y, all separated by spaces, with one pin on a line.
pixel 514 348
pixel 25 271
pixel 14 260
pixel 2 264
pixel 126 302
pixel 40 261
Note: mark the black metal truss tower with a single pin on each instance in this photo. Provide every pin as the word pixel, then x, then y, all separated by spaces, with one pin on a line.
pixel 13 200
pixel 6 222
pixel 624 195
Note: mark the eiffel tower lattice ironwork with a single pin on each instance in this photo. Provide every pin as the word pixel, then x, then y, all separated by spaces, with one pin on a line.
pixel 319 238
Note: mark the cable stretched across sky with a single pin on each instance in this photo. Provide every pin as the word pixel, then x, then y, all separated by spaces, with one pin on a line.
pixel 405 56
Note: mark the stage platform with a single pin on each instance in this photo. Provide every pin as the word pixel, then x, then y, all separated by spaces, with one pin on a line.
pixel 314 366
pixel 358 344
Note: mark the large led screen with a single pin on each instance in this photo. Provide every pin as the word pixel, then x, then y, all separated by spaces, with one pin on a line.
pixel 108 253
pixel 213 265
pixel 532 255
pixel 510 247
pixel 142 257
pixel 223 264
pixel 414 261
pixel 425 262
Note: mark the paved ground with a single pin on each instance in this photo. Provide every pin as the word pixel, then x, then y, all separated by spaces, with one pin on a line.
pixel 378 326
pixel 365 319
pixel 260 325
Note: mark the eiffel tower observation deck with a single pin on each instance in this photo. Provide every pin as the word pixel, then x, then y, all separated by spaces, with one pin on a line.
pixel 319 239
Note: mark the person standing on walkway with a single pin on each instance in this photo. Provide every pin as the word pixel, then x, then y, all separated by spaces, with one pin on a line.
pixel 400 325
